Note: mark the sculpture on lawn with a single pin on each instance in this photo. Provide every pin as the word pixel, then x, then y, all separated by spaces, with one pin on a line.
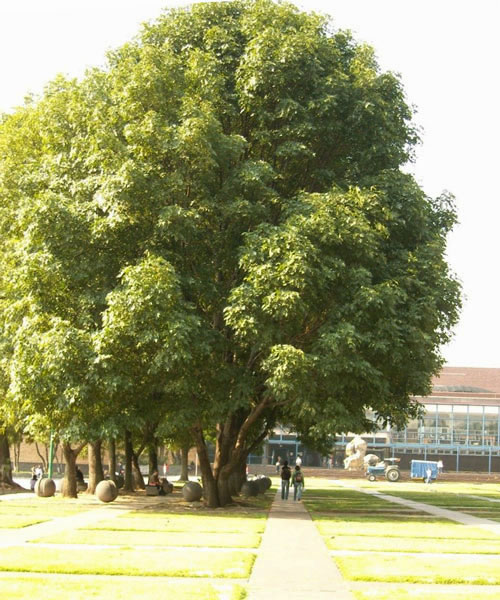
pixel 355 452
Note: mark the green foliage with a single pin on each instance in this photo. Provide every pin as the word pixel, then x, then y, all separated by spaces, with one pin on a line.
pixel 216 225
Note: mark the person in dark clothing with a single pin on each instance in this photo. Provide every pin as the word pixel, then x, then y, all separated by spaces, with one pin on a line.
pixel 79 475
pixel 285 480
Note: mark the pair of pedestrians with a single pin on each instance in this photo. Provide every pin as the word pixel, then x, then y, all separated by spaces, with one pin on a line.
pixel 296 478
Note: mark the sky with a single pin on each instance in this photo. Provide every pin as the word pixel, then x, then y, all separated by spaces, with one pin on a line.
pixel 446 53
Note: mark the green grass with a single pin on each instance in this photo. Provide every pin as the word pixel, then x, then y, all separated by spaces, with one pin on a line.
pixel 483 570
pixel 412 544
pixel 139 521
pixel 164 562
pixel 61 587
pixel 155 538
pixel 20 521
pixel 413 592
pixel 403 528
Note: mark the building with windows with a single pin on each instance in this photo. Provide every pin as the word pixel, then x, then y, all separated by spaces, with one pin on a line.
pixel 460 426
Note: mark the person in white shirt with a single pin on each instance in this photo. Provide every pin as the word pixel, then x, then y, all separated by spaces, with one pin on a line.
pixel 298 461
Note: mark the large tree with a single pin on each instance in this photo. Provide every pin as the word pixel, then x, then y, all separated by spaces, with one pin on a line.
pixel 249 249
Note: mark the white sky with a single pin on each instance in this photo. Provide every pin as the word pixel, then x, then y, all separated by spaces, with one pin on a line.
pixel 447 53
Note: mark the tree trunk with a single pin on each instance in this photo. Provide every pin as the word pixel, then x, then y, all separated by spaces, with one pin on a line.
pixel 96 472
pixel 5 462
pixel 112 459
pixel 136 472
pixel 153 457
pixel 128 485
pixel 184 463
pixel 209 483
pixel 69 489
pixel 44 459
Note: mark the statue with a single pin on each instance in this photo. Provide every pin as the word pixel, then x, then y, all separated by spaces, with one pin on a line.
pixel 355 452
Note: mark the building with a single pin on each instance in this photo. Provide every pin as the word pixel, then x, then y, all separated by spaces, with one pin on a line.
pixel 460 426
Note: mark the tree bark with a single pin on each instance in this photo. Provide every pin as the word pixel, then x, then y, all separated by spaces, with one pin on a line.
pixel 209 483
pixel 184 463
pixel 112 459
pixel 136 472
pixel 153 457
pixel 5 462
pixel 129 451
pixel 96 471
pixel 69 488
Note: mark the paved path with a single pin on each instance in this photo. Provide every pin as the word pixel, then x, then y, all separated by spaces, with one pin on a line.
pixel 293 562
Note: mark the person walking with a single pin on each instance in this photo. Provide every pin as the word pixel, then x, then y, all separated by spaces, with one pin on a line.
pixel 278 464
pixel 298 461
pixel 285 480
pixel 298 483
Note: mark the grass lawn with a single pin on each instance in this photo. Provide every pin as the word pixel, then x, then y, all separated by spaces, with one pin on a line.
pixel 155 538
pixel 62 587
pixel 376 526
pixel 417 592
pixel 20 521
pixel 402 553
pixel 483 570
pixel 155 521
pixel 166 562
pixel 414 544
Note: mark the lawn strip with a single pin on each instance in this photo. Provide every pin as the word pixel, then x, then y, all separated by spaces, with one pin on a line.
pixel 19 522
pixel 484 570
pixel 153 538
pixel 191 562
pixel 62 587
pixel 182 523
pixel 412 544
pixel 415 591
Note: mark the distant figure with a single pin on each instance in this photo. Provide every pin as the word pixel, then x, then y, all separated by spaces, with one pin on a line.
pixel 428 474
pixel 278 464
pixel 154 479
pixel 285 480
pixel 165 469
pixel 298 483
pixel 298 461
pixel 330 462
pixel 440 466
pixel 79 475
pixel 33 479
pixel 39 472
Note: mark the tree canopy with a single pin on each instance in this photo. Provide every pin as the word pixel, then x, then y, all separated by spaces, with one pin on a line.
pixel 217 226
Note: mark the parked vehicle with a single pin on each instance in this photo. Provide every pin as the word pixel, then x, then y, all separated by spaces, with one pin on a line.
pixel 388 468
pixel 419 468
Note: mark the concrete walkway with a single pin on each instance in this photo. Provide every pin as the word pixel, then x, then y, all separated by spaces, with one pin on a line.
pixel 293 562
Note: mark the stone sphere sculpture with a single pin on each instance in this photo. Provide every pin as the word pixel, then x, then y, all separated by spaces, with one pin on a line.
pixel 192 491
pixel 106 491
pixel 268 482
pixel 45 487
pixel 262 483
pixel 250 488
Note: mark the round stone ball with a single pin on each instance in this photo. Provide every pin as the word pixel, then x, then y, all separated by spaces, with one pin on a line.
pixel 45 487
pixel 262 483
pixel 250 488
pixel 106 491
pixel 192 491
pixel 268 481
